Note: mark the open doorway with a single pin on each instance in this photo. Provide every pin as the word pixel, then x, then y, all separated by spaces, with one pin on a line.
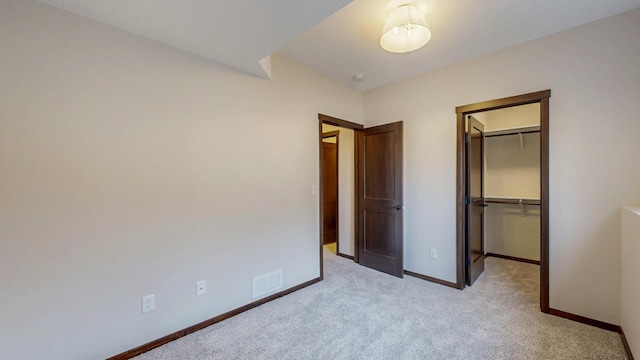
pixel 374 223
pixel 331 186
pixel 472 195
pixel 503 179
pixel 337 187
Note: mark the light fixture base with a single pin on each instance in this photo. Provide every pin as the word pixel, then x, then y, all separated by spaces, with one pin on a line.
pixel 359 77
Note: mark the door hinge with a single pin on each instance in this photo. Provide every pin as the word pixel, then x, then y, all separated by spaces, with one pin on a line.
pixel 467 138
pixel 468 261
pixel 467 200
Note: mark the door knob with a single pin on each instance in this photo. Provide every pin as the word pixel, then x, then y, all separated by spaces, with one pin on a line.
pixel 398 207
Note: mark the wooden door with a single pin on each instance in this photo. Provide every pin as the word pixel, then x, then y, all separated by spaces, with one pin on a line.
pixel 475 200
pixel 379 196
pixel 330 192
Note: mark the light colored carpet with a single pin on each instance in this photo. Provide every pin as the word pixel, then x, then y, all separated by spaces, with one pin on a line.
pixel 358 313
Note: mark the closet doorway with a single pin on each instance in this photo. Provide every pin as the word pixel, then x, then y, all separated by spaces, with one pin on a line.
pixel 487 148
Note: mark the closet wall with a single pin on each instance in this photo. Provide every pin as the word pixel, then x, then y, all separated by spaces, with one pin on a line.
pixel 512 172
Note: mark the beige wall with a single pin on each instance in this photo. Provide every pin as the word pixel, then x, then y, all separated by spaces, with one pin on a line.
pixel 510 170
pixel 508 232
pixel 128 168
pixel 630 311
pixel 592 71
pixel 346 188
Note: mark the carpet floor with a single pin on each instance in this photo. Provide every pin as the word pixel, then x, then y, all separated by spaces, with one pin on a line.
pixel 358 313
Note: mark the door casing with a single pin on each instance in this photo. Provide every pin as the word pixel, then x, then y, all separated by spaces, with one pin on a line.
pixel 541 97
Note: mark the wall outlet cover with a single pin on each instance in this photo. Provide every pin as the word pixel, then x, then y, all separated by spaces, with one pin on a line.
pixel 148 303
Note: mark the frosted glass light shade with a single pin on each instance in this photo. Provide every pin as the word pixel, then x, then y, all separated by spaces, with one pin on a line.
pixel 405 30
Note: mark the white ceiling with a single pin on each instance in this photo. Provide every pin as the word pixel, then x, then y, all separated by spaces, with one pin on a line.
pixel 241 33
pixel 238 33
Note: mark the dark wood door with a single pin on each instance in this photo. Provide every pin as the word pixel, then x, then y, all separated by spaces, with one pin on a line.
pixel 475 200
pixel 379 179
pixel 330 192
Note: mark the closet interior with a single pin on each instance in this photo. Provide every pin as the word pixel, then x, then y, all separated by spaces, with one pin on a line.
pixel 511 186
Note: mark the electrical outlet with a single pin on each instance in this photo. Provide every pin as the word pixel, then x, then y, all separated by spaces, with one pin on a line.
pixel 201 287
pixel 433 254
pixel 148 303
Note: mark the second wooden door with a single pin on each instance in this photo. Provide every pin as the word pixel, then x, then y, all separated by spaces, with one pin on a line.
pixel 379 183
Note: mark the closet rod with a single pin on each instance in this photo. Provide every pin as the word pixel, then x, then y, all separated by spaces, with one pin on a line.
pixel 512 201
pixel 515 133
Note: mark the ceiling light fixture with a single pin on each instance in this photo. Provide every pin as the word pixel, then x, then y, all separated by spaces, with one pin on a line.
pixel 405 30
pixel 359 77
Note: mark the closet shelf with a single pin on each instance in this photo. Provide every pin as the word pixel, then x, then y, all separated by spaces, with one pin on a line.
pixel 516 201
pixel 513 131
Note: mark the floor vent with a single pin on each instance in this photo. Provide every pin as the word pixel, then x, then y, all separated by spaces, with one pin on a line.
pixel 266 283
